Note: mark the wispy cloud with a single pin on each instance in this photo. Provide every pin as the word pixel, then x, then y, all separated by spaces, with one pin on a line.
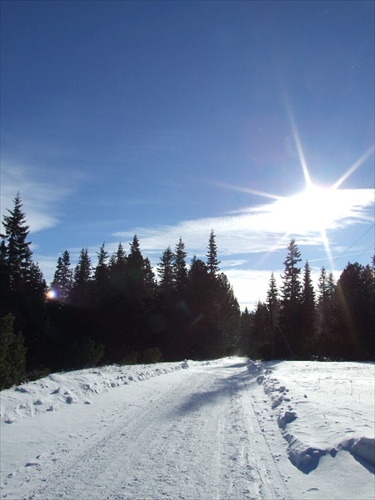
pixel 251 286
pixel 40 194
pixel 263 228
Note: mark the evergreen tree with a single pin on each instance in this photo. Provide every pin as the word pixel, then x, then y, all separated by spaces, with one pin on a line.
pixel 118 270
pixel 62 282
pixel 323 287
pixel 326 312
pixel 291 288
pixel 308 310
pixel 101 274
pixel 16 253
pixel 291 304
pixel 273 305
pixel 356 300
pixel 82 279
pixel 165 271
pixel 260 338
pixel 179 267
pixel 199 308
pixel 101 270
pixel 228 317
pixel 120 255
pixel 136 268
pixel 24 286
pixel 149 278
pixel 331 285
pixel 139 295
pixel 4 280
pixel 36 284
pixel 244 343
pixel 212 261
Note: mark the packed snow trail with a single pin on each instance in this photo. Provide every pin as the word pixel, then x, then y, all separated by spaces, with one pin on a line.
pixel 191 434
pixel 223 429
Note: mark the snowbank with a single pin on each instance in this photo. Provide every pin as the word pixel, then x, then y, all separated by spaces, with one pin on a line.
pixel 51 393
pixel 320 408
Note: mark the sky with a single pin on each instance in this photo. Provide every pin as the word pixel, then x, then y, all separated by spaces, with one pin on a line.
pixel 169 119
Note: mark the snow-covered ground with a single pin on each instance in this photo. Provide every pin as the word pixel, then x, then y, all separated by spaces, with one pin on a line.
pixel 224 429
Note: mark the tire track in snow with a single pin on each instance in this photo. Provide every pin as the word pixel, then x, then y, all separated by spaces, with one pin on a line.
pixel 266 466
pixel 195 437
pixel 91 472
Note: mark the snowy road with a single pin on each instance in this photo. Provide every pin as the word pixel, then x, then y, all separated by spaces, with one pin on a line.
pixel 224 429
pixel 192 434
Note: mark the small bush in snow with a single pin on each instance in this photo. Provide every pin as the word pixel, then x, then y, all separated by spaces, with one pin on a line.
pixel 152 355
pixel 12 354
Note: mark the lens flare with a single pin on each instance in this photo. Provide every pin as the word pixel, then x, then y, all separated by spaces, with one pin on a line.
pixel 51 294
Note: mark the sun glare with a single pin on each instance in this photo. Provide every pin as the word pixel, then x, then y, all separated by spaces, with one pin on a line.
pixel 316 209
pixel 51 294
pixel 313 208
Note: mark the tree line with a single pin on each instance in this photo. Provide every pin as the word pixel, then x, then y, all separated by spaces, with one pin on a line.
pixel 117 310
pixel 296 322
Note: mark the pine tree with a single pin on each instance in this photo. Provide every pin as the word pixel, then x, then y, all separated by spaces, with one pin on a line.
pixel 149 278
pixel 16 247
pixel 246 320
pixel 117 270
pixel 273 305
pixel 260 341
pixel 62 282
pixel 308 310
pixel 4 280
pixel 101 274
pixel 199 307
pixel 291 288
pixel 36 284
pixel 290 304
pixel 101 267
pixel 356 308
pixel 165 271
pixel 179 267
pixel 82 279
pixel 325 338
pixel 322 285
pixel 135 267
pixel 22 293
pixel 120 255
pixel 228 317
pixel 212 261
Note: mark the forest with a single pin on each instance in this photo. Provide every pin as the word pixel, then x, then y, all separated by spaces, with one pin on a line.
pixel 118 310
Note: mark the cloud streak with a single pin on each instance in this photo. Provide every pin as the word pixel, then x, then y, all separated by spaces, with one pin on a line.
pixel 39 197
pixel 265 227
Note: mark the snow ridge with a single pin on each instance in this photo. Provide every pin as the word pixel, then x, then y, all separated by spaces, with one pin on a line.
pixel 51 393
pixel 305 456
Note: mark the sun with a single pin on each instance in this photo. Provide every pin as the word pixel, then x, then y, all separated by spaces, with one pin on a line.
pixel 312 209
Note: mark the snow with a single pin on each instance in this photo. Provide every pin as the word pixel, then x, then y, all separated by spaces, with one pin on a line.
pixel 223 429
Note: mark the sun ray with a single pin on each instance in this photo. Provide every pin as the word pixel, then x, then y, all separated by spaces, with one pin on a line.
pixel 249 191
pixel 354 167
pixel 301 154
pixel 312 211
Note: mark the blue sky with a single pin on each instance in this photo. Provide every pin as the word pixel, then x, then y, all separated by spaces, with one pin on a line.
pixel 169 119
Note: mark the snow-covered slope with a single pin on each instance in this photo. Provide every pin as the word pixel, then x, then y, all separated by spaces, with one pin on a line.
pixel 221 429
